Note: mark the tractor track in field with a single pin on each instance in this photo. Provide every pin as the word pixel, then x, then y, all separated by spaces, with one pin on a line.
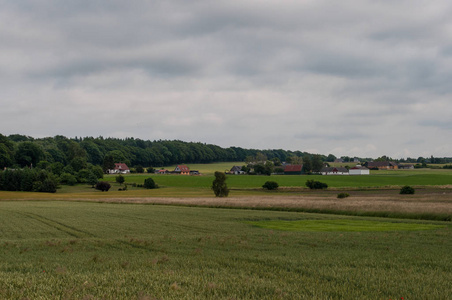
pixel 70 230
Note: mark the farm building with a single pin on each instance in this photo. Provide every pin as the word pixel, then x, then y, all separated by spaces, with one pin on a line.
pixel 359 170
pixel 182 170
pixel 120 168
pixel 406 166
pixel 161 172
pixel 382 165
pixel 293 169
pixel 334 171
pixel 236 170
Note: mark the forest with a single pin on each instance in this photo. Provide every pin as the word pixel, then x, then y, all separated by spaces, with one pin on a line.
pixel 18 151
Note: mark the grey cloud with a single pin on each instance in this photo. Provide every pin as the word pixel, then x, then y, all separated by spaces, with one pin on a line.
pixel 440 124
pixel 270 74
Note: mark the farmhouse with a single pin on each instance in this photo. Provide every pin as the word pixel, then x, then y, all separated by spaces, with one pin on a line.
pixel 334 171
pixel 182 170
pixel 236 170
pixel 359 170
pixel 382 165
pixel 293 169
pixel 120 168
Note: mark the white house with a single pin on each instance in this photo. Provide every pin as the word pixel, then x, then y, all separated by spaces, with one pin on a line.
pixel 334 171
pixel 120 168
pixel 359 170
pixel 236 170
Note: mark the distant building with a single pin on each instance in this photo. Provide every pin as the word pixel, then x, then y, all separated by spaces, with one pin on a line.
pixel 236 170
pixel 182 170
pixel 334 171
pixel 359 170
pixel 161 172
pixel 293 169
pixel 338 160
pixel 120 168
pixel 406 166
pixel 382 165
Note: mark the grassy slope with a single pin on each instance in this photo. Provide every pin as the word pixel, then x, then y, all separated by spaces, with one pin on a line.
pixel 76 250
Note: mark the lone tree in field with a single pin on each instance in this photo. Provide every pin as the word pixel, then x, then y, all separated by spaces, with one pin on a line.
pixel 219 186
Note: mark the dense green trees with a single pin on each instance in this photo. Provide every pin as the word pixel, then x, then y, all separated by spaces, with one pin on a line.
pixel 18 151
pixel 28 180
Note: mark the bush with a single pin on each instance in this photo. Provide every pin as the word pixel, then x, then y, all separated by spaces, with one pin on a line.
pixel 139 169
pixel 342 195
pixel 120 179
pixel 406 190
pixel 271 185
pixel 103 186
pixel 316 185
pixel 150 170
pixel 49 185
pixel 149 183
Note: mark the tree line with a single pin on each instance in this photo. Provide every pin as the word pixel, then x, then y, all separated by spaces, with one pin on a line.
pixel 18 151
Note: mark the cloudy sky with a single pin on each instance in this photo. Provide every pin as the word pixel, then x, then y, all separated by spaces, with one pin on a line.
pixel 350 77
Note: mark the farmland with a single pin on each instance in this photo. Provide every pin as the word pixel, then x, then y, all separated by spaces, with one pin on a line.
pixel 180 242
pixel 75 250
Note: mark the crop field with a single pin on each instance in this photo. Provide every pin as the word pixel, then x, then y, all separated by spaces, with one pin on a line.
pixel 88 250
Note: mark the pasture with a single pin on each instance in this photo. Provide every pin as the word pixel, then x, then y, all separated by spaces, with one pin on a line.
pixel 86 250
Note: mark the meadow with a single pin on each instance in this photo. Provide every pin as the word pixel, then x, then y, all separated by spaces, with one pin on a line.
pixel 82 250
pixel 377 179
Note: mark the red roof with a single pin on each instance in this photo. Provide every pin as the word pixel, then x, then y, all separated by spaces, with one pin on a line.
pixel 183 168
pixel 293 168
pixel 121 166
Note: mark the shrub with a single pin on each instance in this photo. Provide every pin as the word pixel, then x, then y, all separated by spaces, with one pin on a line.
pixel 149 183
pixel 120 179
pixel 316 185
pixel 342 195
pixel 270 185
pixel 219 186
pixel 103 186
pixel 49 185
pixel 150 170
pixel 139 169
pixel 68 179
pixel 406 190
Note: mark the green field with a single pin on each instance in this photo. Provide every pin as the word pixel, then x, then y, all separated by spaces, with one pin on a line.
pixel 377 179
pixel 76 250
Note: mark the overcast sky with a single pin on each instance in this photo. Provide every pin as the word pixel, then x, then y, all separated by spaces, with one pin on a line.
pixel 351 77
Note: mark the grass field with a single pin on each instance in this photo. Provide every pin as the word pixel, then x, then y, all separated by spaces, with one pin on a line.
pixel 377 179
pixel 79 250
